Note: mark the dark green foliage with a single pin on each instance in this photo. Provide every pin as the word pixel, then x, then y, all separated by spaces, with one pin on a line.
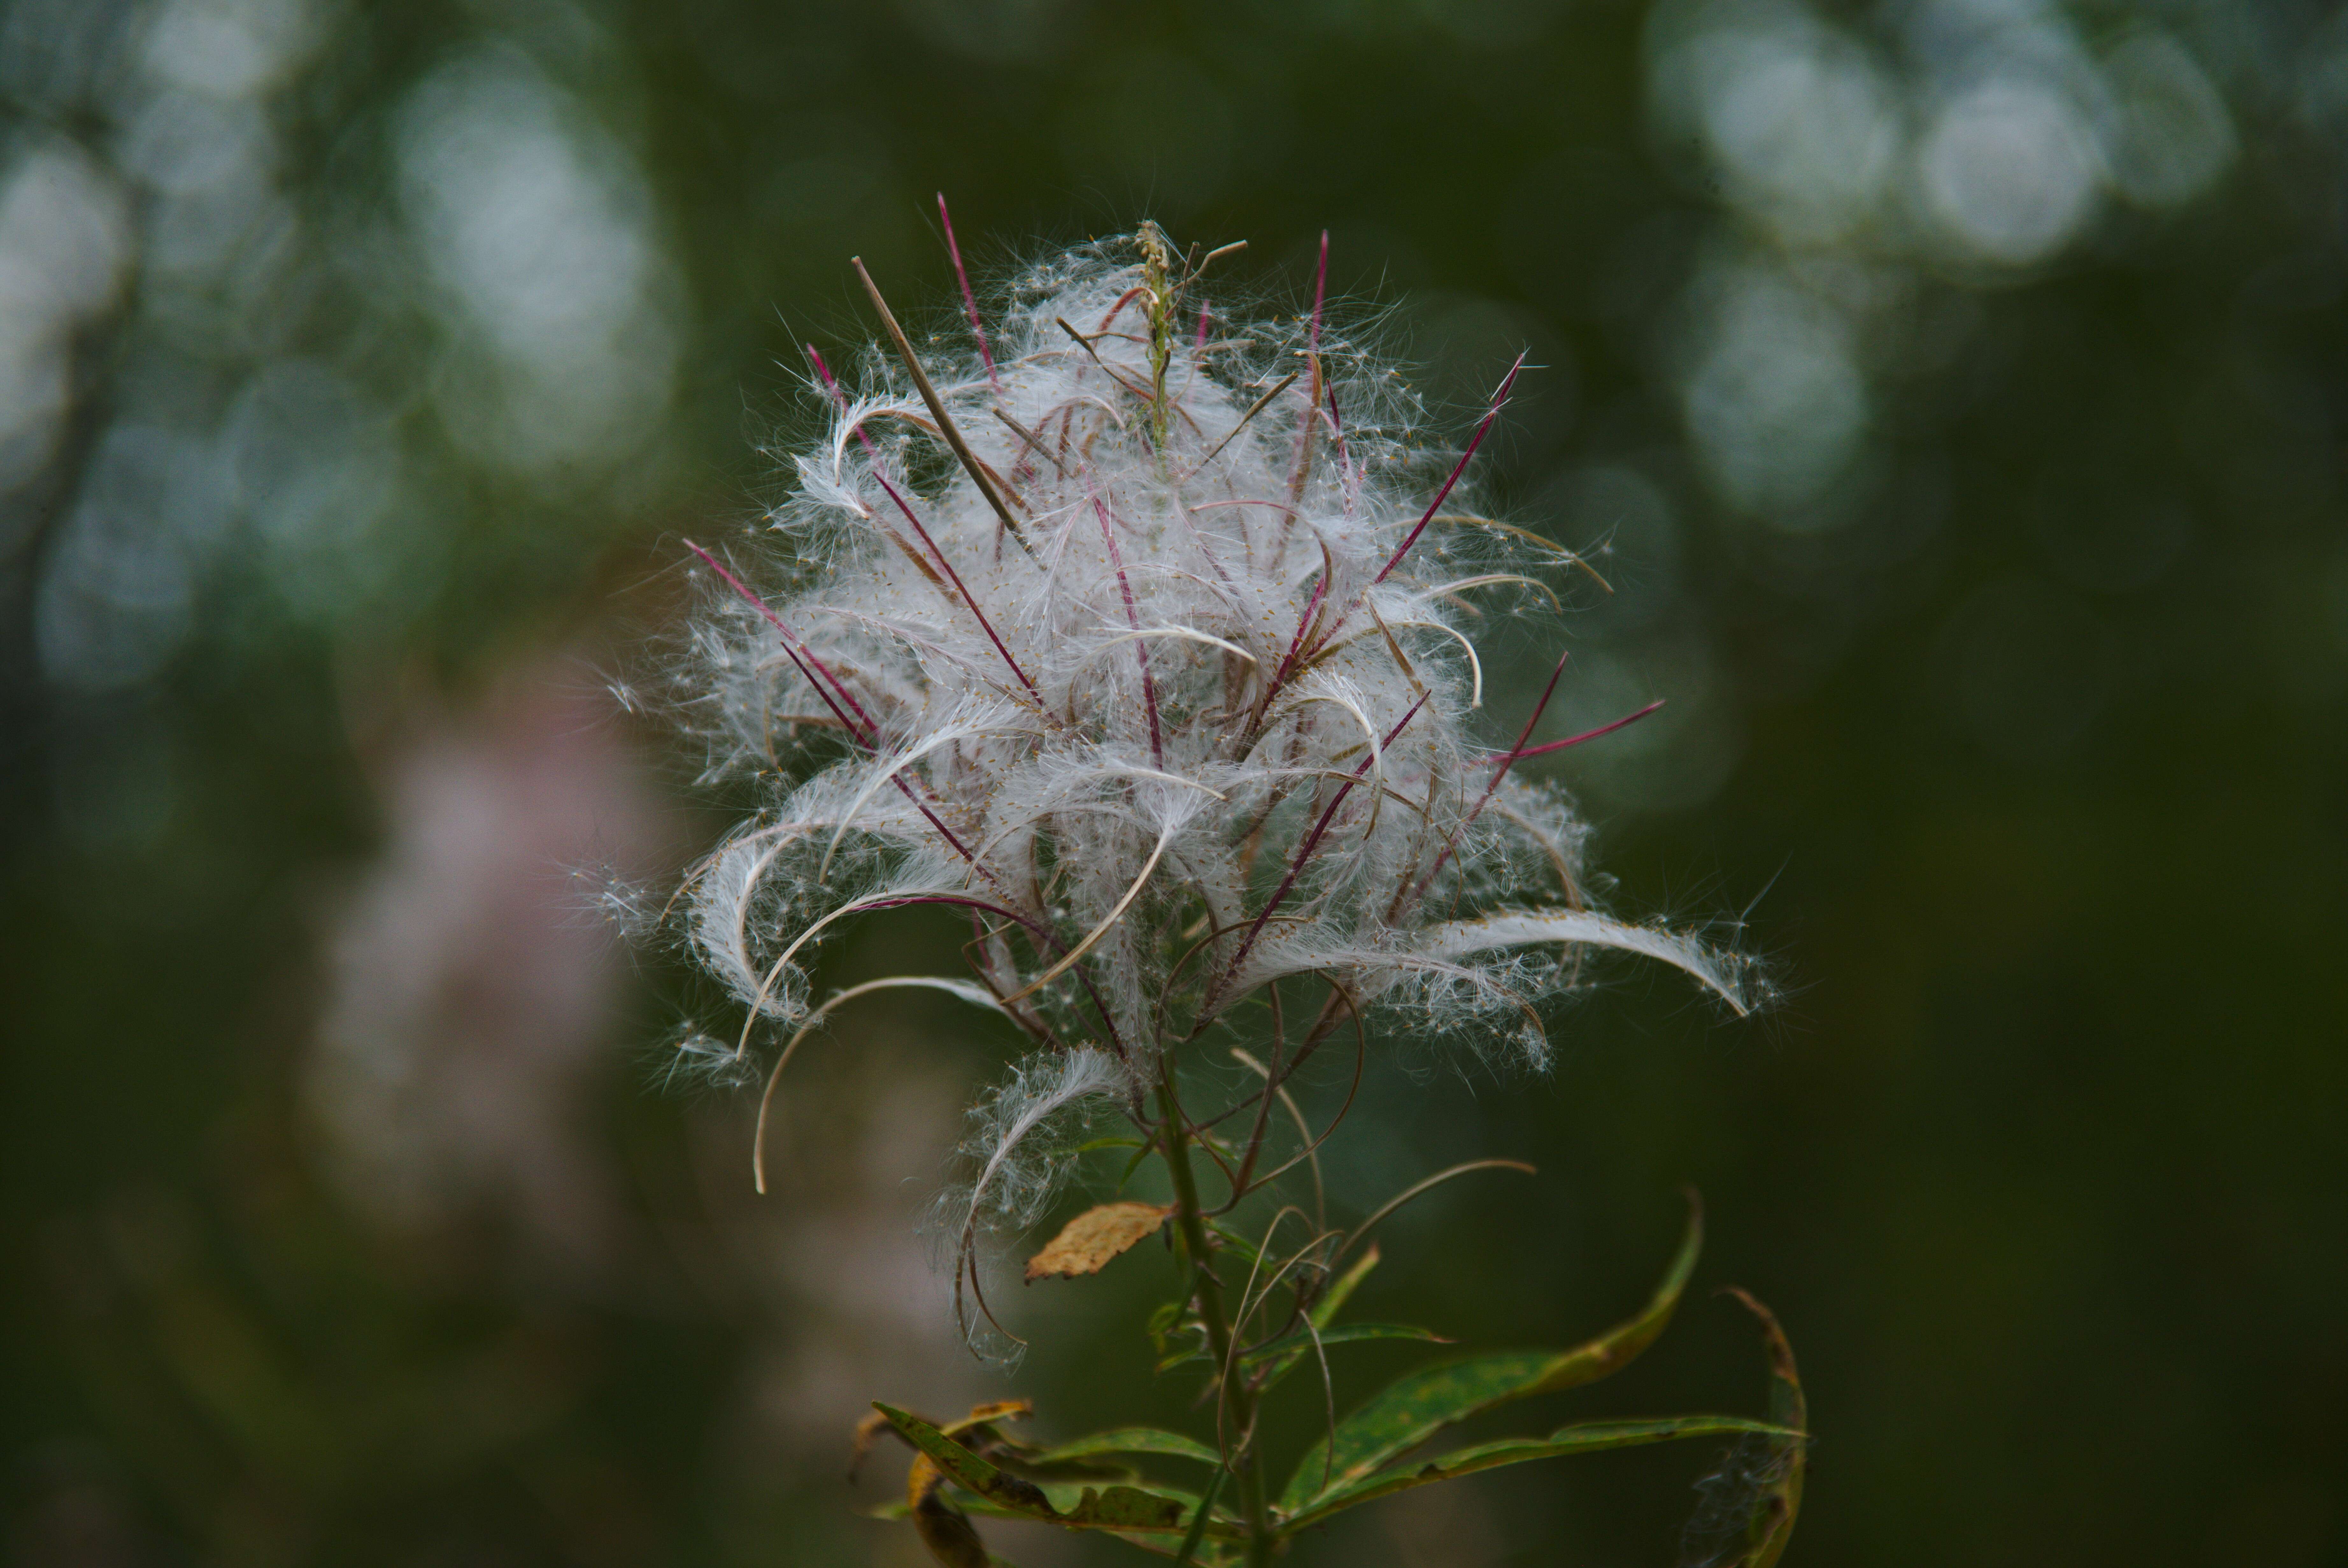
pixel 2047 739
pixel 1366 1456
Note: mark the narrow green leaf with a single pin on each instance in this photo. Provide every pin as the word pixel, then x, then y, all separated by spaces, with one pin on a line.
pixel 1166 1510
pixel 1242 1247
pixel 1199 1517
pixel 1128 1508
pixel 1338 1293
pixel 1130 1441
pixel 1407 1412
pixel 1330 1303
pixel 1588 1437
pixel 1141 1152
pixel 1177 1322
pixel 1303 1355
pixel 1291 1347
pixel 1163 1318
pixel 1300 1341
pixel 1153 1510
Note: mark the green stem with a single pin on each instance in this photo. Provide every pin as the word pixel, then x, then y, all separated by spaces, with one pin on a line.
pixel 1236 1399
pixel 1158 266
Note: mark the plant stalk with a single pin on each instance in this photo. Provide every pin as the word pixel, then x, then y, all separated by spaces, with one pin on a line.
pixel 1234 1396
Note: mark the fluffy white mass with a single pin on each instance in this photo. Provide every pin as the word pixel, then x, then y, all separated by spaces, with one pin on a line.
pixel 1143 639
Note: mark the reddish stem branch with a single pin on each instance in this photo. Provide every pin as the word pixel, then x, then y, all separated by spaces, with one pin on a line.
pixel 1141 644
pixel 936 553
pixel 800 655
pixel 1543 750
pixel 969 301
pixel 1499 398
pixel 869 734
pixel 1305 850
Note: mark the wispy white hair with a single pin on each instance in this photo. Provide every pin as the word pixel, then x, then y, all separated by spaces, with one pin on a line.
pixel 1143 641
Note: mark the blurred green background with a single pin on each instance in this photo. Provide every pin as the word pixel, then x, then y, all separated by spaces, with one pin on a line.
pixel 1954 387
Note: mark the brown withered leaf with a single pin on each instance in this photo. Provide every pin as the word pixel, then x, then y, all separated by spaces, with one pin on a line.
pixel 1087 1243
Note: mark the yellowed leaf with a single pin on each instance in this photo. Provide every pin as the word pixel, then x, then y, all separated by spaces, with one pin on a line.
pixel 867 1432
pixel 944 1528
pixel 986 1415
pixel 1087 1242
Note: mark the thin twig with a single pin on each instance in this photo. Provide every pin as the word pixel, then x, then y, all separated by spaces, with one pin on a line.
pixel 1253 409
pixel 1028 436
pixel 1086 343
pixel 937 407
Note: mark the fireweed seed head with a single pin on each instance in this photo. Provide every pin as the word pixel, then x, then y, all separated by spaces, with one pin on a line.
pixel 1144 638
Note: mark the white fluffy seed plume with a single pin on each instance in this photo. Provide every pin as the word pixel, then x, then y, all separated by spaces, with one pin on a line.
pixel 1143 640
